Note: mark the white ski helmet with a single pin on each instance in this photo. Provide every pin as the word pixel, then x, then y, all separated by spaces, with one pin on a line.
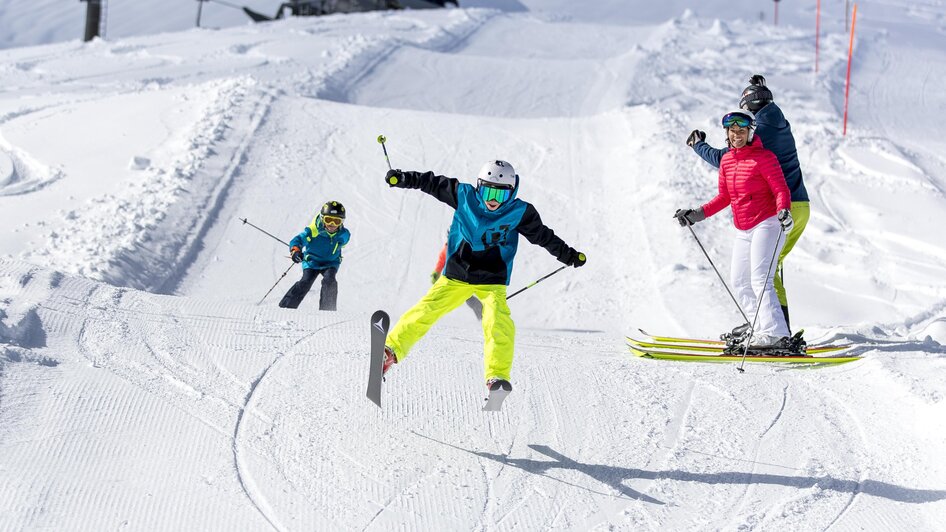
pixel 497 181
pixel 498 173
pixel 740 115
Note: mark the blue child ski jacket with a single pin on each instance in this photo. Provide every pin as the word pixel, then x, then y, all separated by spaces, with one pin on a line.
pixel 776 135
pixel 321 250
pixel 482 244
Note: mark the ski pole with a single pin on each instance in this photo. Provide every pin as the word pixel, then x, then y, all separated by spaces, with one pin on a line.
pixel 277 282
pixel 537 281
pixel 381 141
pixel 759 307
pixel 728 291
pixel 262 231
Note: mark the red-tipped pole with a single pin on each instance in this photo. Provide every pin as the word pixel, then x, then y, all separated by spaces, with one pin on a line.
pixel 850 54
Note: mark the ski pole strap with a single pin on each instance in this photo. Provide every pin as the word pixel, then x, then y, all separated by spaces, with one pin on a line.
pixel 245 222
pixel 537 281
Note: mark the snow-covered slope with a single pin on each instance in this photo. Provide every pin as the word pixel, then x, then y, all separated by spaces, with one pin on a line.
pixel 141 386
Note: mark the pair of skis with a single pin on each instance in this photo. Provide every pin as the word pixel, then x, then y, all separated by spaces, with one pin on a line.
pixel 700 350
pixel 380 322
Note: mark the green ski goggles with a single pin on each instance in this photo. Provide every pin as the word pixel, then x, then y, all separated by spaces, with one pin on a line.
pixel 493 192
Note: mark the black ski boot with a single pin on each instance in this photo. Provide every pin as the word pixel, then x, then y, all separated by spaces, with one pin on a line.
pixel 789 346
pixel 735 336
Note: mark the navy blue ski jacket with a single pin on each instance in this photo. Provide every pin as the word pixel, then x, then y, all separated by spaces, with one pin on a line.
pixel 776 135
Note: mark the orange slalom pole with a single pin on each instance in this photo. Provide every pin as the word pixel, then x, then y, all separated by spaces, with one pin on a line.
pixel 850 53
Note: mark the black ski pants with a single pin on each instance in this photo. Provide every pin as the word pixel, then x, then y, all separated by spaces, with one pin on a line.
pixel 327 297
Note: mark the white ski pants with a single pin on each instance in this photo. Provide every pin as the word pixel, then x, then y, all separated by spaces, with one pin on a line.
pixel 752 275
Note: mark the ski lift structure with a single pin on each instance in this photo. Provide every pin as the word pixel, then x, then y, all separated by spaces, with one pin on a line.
pixel 314 8
pixel 93 18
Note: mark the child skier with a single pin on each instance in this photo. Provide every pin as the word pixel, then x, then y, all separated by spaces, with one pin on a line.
pixel 319 248
pixel 751 181
pixel 481 246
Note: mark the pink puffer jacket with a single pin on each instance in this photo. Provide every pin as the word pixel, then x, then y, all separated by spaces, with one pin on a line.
pixel 751 180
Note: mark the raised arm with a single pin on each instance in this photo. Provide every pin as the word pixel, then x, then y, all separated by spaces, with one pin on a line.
pixel 438 186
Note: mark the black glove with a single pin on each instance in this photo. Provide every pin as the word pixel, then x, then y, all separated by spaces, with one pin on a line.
pixel 689 216
pixel 394 177
pixel 696 136
pixel 296 255
pixel 576 259
pixel 785 217
pixel 757 79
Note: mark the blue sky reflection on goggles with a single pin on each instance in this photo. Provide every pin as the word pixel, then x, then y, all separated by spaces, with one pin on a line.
pixel 737 119
pixel 490 192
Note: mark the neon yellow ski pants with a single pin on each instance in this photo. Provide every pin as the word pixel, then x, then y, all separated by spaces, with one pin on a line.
pixel 801 211
pixel 499 332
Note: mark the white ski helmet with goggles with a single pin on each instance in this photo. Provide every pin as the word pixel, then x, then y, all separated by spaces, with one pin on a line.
pixel 742 118
pixel 497 181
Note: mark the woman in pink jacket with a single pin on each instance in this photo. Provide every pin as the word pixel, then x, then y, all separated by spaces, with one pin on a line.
pixel 751 181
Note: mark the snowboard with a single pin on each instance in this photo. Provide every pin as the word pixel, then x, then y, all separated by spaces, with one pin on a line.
pixel 379 333
pixel 497 394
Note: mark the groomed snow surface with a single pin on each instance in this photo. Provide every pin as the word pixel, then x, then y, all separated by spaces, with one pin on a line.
pixel 143 388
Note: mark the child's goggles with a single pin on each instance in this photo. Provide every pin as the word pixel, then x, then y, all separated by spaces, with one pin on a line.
pixel 332 220
pixel 493 192
pixel 736 119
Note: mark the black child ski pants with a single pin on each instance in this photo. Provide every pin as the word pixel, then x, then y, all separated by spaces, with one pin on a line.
pixel 327 297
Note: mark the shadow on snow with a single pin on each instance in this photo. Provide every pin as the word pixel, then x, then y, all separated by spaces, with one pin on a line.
pixel 615 476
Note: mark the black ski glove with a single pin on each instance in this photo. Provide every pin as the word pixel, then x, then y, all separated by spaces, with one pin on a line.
pixel 689 216
pixel 757 79
pixel 576 259
pixel 296 255
pixel 696 136
pixel 394 177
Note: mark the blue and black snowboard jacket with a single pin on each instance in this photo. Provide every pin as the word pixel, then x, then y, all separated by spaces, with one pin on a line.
pixel 481 244
pixel 776 135
pixel 321 250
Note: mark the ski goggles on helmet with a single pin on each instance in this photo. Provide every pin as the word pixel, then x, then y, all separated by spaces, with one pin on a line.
pixel 332 220
pixel 493 192
pixel 736 119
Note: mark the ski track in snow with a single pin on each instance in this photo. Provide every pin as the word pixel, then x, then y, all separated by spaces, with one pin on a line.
pixel 253 493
